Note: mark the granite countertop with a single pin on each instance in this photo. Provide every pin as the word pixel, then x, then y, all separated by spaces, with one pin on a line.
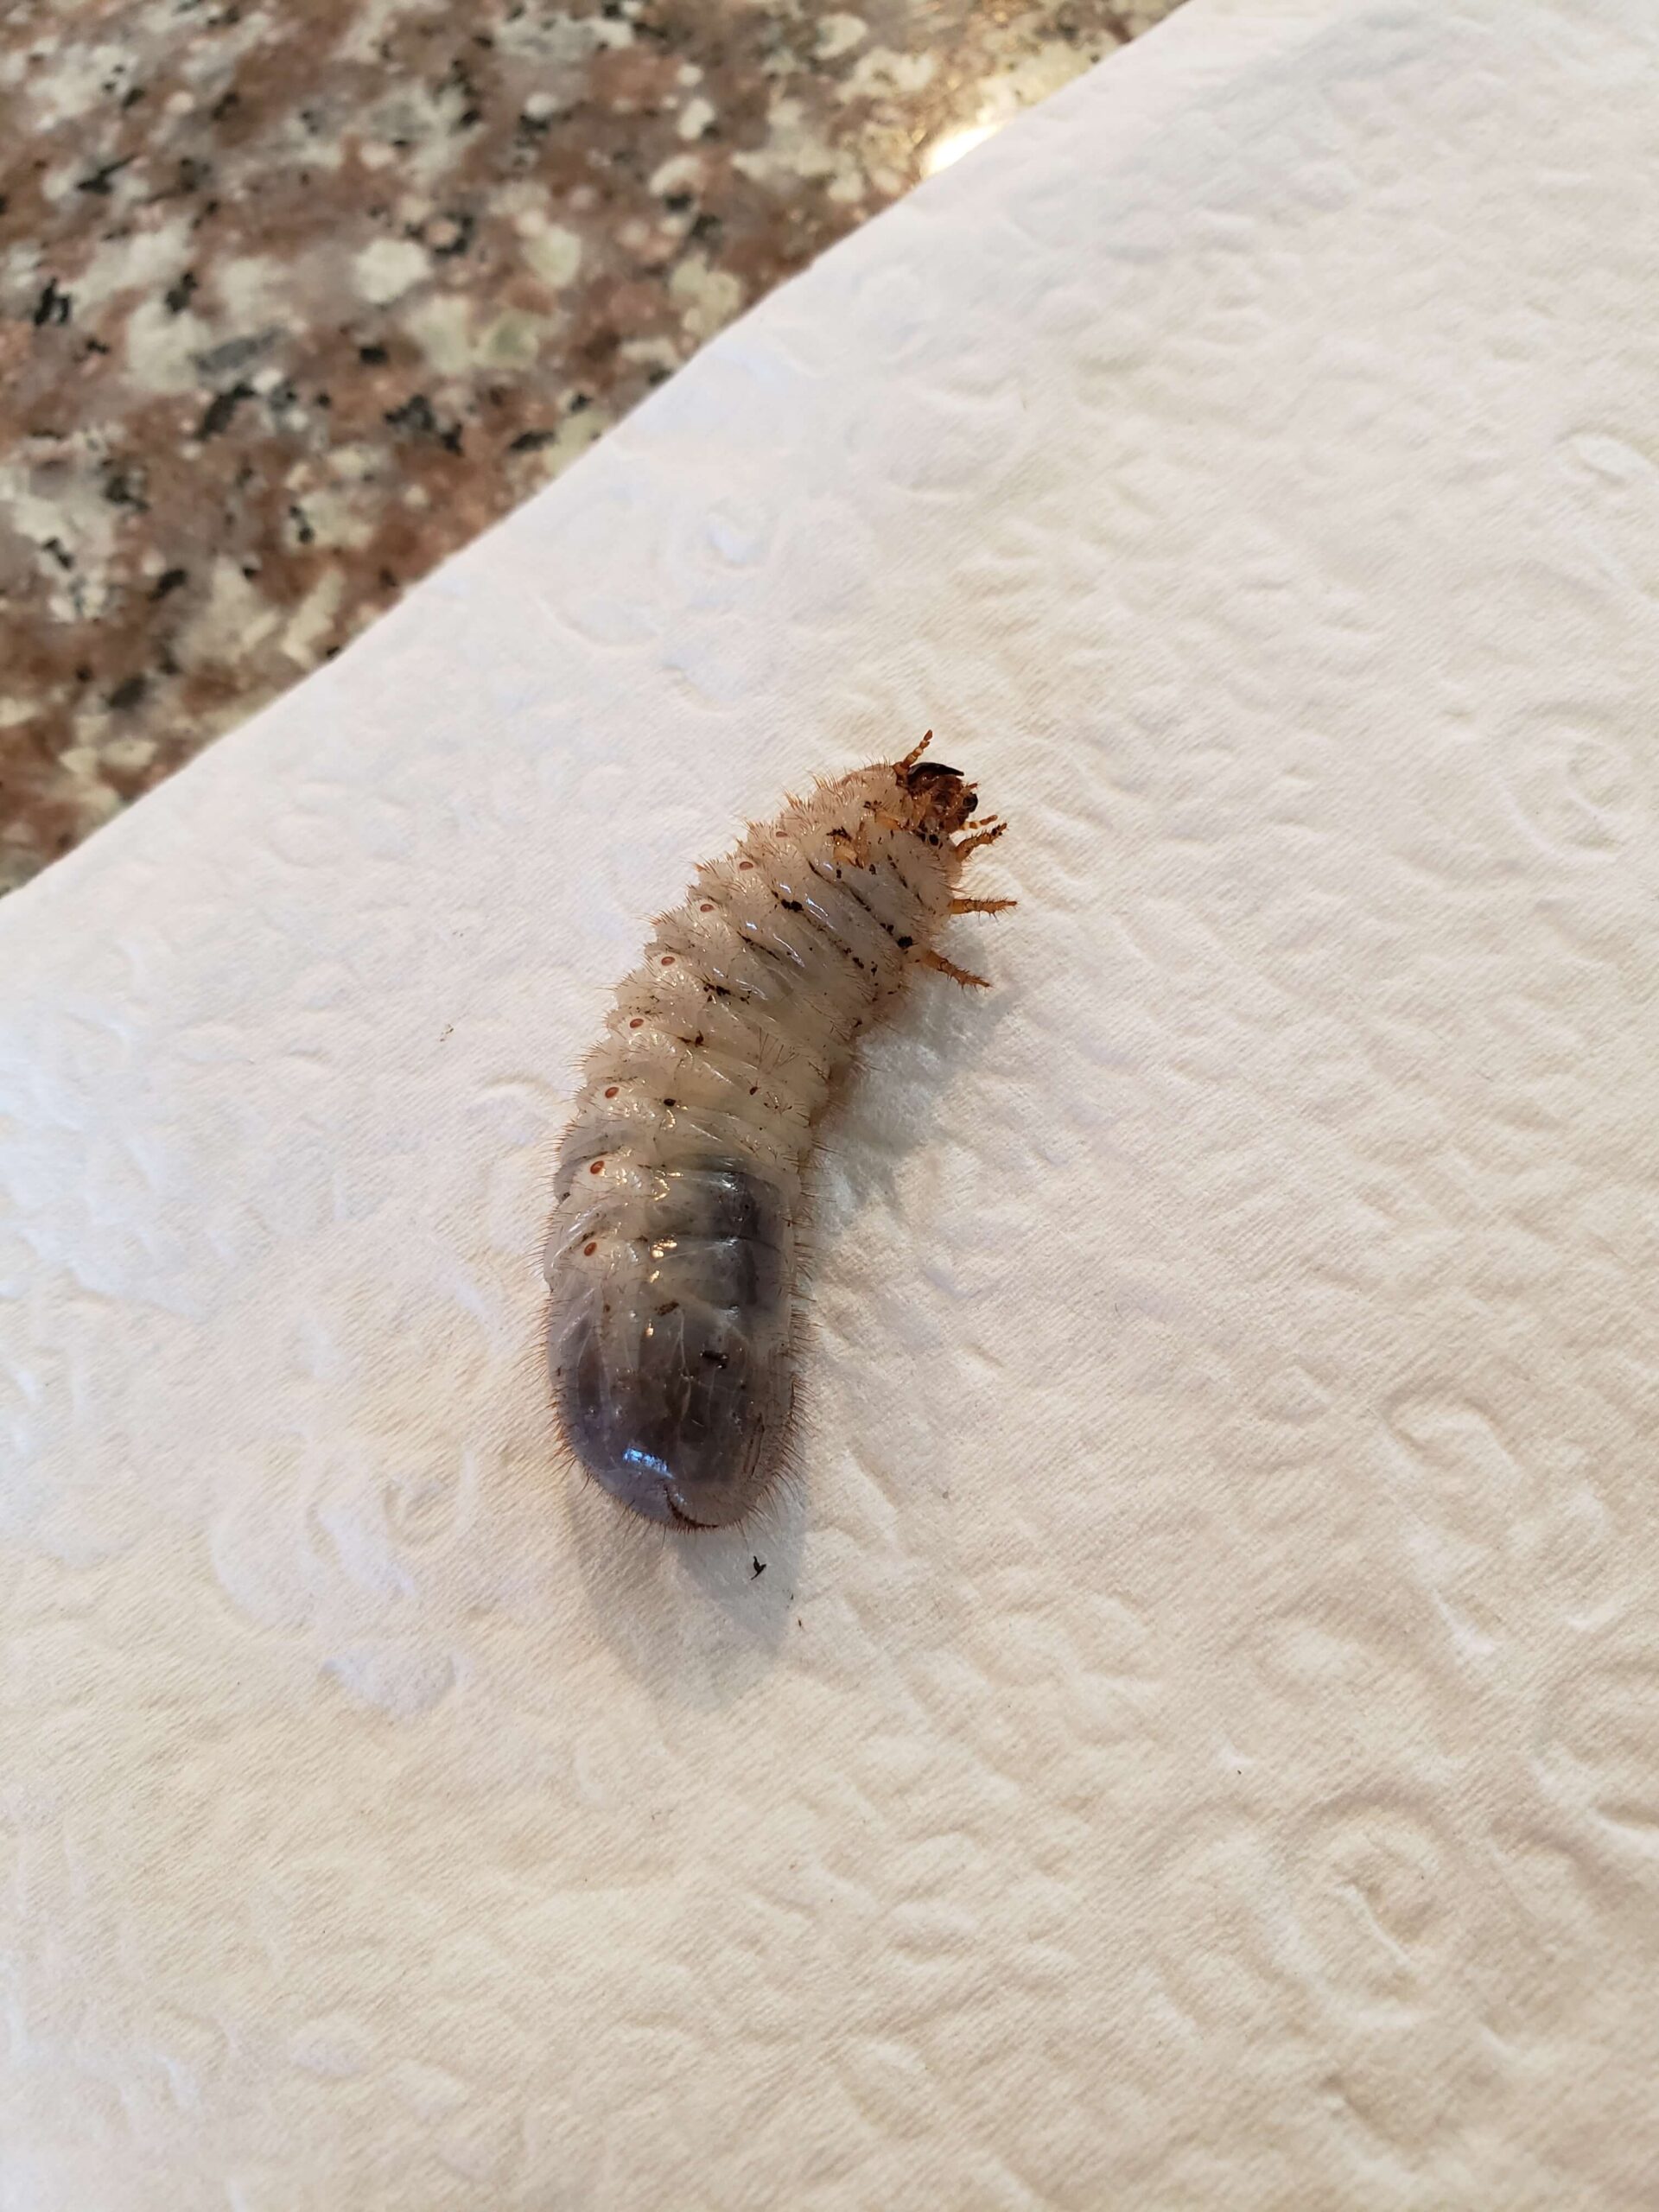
pixel 296 298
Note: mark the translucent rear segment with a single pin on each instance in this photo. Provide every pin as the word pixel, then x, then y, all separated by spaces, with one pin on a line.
pixel 670 1347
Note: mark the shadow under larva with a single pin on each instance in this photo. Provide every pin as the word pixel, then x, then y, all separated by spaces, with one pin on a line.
pixel 672 1257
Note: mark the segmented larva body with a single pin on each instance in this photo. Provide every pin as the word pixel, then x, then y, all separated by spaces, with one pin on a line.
pixel 672 1254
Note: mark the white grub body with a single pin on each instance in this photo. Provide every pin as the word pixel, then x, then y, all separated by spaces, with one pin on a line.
pixel 671 1254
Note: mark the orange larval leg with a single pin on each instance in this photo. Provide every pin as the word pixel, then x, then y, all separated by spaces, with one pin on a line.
pixel 915 752
pixel 988 835
pixel 941 966
pixel 982 906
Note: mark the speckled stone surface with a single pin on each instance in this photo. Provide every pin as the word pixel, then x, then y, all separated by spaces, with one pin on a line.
pixel 296 298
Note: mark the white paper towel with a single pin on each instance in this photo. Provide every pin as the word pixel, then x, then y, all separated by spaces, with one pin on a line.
pixel 1195 1739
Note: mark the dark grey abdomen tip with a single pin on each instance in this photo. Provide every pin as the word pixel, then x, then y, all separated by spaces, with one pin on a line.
pixel 670 1360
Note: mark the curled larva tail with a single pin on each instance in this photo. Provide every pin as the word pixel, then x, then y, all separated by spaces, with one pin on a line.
pixel 671 1257
pixel 670 1342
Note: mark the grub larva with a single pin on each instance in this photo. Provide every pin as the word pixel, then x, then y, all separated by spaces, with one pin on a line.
pixel 670 1259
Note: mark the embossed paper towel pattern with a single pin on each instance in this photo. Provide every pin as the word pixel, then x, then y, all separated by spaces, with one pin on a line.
pixel 1192 1737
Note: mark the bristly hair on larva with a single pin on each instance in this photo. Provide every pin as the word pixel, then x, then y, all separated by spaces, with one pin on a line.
pixel 671 1256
